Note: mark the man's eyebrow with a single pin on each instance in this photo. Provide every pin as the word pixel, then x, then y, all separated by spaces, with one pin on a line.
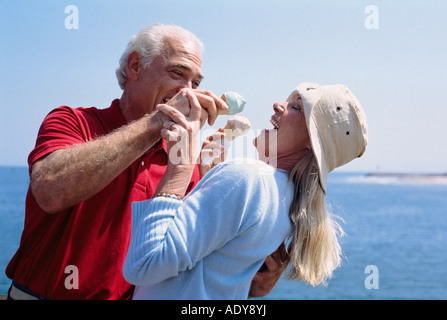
pixel 186 68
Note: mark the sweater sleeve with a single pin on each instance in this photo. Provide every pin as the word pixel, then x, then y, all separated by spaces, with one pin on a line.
pixel 170 236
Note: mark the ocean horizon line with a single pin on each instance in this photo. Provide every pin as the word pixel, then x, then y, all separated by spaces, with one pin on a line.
pixel 369 173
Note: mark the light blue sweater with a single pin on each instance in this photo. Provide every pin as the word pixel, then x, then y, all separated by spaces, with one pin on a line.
pixel 210 245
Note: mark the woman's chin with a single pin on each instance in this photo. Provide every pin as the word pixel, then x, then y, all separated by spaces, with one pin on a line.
pixel 264 140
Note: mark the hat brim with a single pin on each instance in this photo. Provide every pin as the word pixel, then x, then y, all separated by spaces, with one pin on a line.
pixel 310 94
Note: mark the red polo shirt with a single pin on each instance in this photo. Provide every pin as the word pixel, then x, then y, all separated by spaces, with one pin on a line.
pixel 88 241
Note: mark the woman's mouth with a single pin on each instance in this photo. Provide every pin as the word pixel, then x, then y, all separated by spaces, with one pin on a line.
pixel 274 123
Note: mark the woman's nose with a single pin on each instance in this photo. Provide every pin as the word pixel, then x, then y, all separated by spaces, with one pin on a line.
pixel 279 106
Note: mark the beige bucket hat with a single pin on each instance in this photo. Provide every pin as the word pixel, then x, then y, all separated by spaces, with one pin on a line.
pixel 336 123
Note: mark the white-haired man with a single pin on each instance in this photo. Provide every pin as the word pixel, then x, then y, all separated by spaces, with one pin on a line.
pixel 90 164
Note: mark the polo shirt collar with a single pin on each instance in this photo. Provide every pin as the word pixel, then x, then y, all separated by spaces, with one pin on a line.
pixel 113 117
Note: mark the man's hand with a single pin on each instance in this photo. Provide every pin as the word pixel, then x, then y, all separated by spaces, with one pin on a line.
pixel 209 102
pixel 269 273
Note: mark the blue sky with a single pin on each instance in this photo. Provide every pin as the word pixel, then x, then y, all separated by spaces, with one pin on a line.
pixel 262 49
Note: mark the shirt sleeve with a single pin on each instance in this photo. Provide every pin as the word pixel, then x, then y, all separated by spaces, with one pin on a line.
pixel 170 236
pixel 62 127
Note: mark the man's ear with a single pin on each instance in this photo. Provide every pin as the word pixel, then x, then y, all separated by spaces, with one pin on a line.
pixel 133 66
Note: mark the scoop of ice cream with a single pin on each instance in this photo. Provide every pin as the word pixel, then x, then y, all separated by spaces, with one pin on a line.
pixel 235 127
pixel 238 125
pixel 235 102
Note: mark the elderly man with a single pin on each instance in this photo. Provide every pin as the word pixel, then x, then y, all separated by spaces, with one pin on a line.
pixel 90 164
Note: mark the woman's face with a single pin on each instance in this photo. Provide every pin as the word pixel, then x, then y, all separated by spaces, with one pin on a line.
pixel 289 126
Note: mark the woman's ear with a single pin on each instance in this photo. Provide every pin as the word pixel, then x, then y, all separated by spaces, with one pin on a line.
pixel 133 66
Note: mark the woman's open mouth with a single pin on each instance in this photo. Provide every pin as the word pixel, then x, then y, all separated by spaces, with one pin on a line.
pixel 275 123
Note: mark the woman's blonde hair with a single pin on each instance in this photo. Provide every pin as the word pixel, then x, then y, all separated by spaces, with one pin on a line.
pixel 314 250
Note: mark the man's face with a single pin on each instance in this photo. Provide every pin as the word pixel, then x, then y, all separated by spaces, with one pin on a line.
pixel 177 68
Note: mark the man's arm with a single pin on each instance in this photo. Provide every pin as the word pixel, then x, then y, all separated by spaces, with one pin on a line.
pixel 69 176
pixel 272 269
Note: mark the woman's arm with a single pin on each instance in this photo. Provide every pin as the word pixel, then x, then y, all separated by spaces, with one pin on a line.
pixel 181 135
pixel 170 236
pixel 157 224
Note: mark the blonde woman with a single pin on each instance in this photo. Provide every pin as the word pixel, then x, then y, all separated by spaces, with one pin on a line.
pixel 210 244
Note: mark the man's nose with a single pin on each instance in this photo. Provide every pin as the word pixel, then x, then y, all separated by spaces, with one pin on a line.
pixel 187 83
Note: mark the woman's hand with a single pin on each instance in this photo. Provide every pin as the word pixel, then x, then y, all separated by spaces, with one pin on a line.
pixel 213 152
pixel 272 269
pixel 181 132
pixel 181 135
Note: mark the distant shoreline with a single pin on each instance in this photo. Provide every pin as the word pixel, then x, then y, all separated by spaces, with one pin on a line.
pixel 418 178
pixel 407 175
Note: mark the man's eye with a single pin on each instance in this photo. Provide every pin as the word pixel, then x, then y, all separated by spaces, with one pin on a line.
pixel 177 73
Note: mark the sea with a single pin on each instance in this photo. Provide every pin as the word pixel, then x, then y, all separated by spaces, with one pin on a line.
pixel 395 247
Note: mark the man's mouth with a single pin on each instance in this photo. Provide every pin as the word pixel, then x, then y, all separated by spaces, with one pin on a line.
pixel 165 100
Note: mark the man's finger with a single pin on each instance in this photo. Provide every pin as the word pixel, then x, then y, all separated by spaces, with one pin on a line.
pixel 211 103
pixel 196 109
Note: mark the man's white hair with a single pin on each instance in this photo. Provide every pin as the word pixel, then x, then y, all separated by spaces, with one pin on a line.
pixel 149 43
